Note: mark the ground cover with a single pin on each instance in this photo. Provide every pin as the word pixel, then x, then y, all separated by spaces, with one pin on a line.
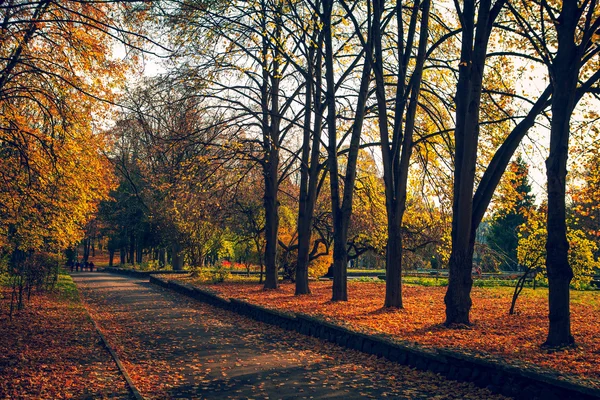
pixel 176 348
pixel 514 339
pixel 51 350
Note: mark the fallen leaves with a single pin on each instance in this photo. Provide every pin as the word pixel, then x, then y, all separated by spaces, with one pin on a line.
pixel 494 334
pixel 50 350
pixel 198 351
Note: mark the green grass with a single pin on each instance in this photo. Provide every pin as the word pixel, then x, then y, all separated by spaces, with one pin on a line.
pixel 66 287
pixel 367 271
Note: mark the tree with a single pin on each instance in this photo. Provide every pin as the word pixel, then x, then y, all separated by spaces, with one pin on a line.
pixel 55 67
pixel 475 38
pixel 341 199
pixel 397 149
pixel 234 53
pixel 515 205
pixel 565 38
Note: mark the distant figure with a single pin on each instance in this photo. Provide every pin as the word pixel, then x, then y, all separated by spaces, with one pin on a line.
pixel 77 265
pixel 91 265
pixel 71 265
pixel 84 266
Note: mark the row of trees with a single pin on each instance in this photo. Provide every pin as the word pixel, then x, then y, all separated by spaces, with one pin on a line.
pixel 413 78
pixel 285 97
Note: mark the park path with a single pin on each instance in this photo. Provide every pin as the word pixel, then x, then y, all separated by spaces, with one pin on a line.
pixel 175 347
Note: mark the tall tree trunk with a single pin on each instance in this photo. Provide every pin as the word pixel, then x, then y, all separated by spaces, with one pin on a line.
pixel 475 39
pixel 111 256
pixel 271 133
pixel 304 215
pixel 397 151
pixel 342 212
pixel 563 74
pixel 309 170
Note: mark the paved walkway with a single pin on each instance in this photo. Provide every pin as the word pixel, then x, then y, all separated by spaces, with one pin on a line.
pixel 175 347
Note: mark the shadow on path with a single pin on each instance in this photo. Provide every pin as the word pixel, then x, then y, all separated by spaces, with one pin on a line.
pixel 175 347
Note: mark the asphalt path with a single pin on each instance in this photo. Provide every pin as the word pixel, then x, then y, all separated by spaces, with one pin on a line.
pixel 175 347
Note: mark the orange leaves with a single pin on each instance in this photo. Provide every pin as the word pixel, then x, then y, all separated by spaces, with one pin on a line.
pixel 494 334
pixel 50 350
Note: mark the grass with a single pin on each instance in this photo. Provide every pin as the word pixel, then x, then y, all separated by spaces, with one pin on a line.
pixel 65 287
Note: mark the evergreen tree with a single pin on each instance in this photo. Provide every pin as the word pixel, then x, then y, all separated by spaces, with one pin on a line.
pixel 516 202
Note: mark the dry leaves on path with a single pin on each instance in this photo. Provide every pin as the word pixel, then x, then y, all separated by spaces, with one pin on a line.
pixel 494 334
pixel 175 347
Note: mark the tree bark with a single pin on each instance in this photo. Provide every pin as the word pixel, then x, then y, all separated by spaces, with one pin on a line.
pixel 271 126
pixel 177 257
pixel 564 73
pixel 475 40
pixel 341 213
pixel 309 169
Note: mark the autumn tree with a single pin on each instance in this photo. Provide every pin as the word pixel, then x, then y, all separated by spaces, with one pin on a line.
pixel 234 51
pixel 342 190
pixel 565 37
pixel 397 147
pixel 56 65
pixel 169 156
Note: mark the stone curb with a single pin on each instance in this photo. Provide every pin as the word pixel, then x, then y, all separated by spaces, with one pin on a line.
pixel 132 388
pixel 499 378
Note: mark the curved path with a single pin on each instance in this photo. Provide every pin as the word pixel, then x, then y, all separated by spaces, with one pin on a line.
pixel 175 347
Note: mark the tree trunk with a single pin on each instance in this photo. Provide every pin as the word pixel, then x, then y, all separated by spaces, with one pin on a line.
pixel 563 74
pixel 340 265
pixel 341 213
pixel 111 256
pixel 309 170
pixel 458 296
pixel 86 249
pixel 177 257
pixel 304 215
pixel 475 40
pixel 131 255
pixel 271 221
pixel 393 267
pixel 271 131
pixel 162 258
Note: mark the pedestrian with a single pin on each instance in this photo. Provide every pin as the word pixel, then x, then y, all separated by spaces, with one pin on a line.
pixel 91 265
pixel 77 265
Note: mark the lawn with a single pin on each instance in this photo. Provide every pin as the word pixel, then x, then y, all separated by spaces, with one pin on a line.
pixel 494 334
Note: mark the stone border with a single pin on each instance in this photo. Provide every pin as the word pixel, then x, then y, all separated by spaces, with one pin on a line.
pixel 497 377
pixel 130 384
